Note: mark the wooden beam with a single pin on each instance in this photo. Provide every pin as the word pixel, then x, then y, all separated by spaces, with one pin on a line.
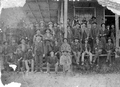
pixel 65 17
pixel 32 12
pixel 40 10
pixel 49 8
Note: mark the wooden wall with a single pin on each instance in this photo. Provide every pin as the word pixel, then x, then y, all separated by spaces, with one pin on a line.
pixel 99 10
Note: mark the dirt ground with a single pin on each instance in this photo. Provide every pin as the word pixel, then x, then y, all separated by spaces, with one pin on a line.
pixel 103 76
pixel 60 80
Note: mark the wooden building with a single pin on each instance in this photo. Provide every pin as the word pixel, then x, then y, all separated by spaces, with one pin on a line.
pixel 35 11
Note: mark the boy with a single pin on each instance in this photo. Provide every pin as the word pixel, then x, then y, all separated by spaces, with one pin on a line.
pixel 52 60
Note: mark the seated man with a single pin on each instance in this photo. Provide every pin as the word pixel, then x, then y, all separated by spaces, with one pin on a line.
pixel 52 60
pixel 98 49
pixel 19 59
pixel 65 46
pixel 77 49
pixel 86 50
pixel 109 48
pixel 29 60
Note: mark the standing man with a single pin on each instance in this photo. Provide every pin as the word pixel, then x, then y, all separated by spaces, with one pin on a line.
pixel 75 21
pixel 86 50
pixel 42 27
pixel 39 53
pixel 94 33
pixel 48 41
pixel 103 34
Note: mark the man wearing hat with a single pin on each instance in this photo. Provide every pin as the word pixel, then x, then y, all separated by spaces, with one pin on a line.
pixel 86 50
pixel 110 49
pixel 42 27
pixel 23 47
pixel 39 52
pixel 12 49
pixel 52 60
pixel 48 41
pixel 50 26
pixel 75 21
pixel 77 49
pixel 5 53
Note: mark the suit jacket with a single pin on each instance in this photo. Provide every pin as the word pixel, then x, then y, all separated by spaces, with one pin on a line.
pixel 98 46
pixel 110 47
pixel 102 33
pixel 77 47
pixel 94 32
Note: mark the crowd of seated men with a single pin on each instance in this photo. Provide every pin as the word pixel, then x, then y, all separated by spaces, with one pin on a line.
pixel 50 46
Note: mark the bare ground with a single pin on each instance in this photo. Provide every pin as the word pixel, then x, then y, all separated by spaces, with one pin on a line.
pixel 103 76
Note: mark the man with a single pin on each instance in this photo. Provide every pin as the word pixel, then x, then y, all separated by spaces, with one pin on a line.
pixel 42 27
pixel 12 49
pixel 77 31
pixel 65 46
pixel 60 34
pixel 69 34
pixel 48 41
pixel 23 47
pixel 52 60
pixel 113 34
pixel 5 53
pixel 103 34
pixel 29 60
pixel 98 49
pixel 77 49
pixel 50 26
pixel 37 33
pixel 39 53
pixel 86 50
pixel 85 32
pixel 110 49
pixel 75 21
pixel 94 33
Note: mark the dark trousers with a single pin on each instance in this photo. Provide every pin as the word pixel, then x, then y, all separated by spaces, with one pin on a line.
pixel 39 62
pixel 21 65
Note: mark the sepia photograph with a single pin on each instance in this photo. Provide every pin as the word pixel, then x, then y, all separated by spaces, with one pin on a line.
pixel 59 43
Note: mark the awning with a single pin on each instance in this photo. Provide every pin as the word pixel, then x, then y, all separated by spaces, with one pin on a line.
pixel 11 4
pixel 113 5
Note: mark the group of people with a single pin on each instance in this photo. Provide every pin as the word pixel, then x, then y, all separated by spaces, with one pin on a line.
pixel 51 48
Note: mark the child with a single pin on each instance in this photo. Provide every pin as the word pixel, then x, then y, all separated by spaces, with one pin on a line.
pixel 66 61
pixel 52 60
pixel 29 60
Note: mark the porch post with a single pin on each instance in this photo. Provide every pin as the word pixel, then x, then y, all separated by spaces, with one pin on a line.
pixel 117 33
pixel 61 12
pixel 65 17
pixel 117 30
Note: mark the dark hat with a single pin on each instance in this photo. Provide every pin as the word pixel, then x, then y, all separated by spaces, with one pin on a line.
pixel 5 42
pixel 47 29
